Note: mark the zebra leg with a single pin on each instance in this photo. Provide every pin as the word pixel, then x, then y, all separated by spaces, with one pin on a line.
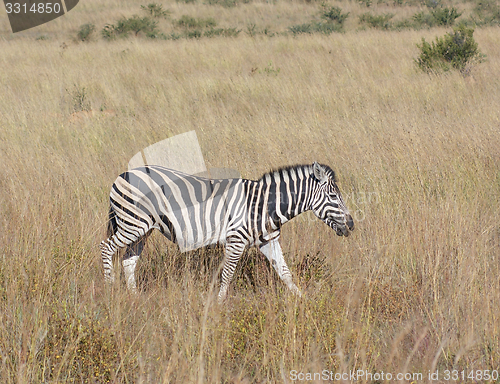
pixel 108 249
pixel 130 262
pixel 272 250
pixel 234 250
pixel 111 245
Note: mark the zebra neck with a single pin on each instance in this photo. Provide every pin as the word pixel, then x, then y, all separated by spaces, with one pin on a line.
pixel 289 192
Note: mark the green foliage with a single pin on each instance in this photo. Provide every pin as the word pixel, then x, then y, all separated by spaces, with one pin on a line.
pixel 376 21
pixel 137 24
pixel 79 99
pixel 456 50
pixel 436 17
pixel 189 22
pixel 315 27
pixel 252 29
pixel 195 34
pixel 422 19
pixel 108 32
pixel 156 11
pixel 334 22
pixel 226 32
pixel 487 12
pixel 433 3
pixel 271 70
pixel 226 3
pixel 85 32
pixel 334 15
pixel 195 28
pixel 445 16
pixel 133 24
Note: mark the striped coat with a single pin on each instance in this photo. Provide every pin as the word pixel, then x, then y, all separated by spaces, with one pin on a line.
pixel 195 212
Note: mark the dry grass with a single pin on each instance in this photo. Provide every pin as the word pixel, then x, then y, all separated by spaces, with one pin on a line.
pixel 416 288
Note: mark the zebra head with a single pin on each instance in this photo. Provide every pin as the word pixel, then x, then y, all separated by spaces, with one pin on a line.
pixel 327 202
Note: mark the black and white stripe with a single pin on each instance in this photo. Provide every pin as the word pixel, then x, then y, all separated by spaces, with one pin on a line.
pixel 195 212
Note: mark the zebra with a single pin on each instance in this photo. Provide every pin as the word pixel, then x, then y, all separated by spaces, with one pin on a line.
pixel 194 212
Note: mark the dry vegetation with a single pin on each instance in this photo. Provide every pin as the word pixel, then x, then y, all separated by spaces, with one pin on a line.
pixel 415 288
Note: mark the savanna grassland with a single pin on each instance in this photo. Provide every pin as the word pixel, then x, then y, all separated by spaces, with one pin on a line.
pixel 415 288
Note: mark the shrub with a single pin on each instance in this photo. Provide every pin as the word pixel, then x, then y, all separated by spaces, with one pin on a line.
pixel 334 15
pixel 85 32
pixel 156 11
pixel 79 98
pixel 314 27
pixel 421 19
pixel 137 24
pixel 108 32
pixel 189 22
pixel 226 32
pixel 196 34
pixel 224 3
pixel 134 24
pixel 301 28
pixel 334 22
pixel 271 70
pixel 488 13
pixel 445 16
pixel 252 29
pixel 433 3
pixel 379 21
pixel 456 50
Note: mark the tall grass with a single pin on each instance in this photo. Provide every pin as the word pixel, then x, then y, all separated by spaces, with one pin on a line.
pixel 414 289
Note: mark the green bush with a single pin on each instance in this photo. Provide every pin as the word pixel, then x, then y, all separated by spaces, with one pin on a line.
pixel 378 21
pixel 456 50
pixel 85 32
pixel 226 32
pixel 196 34
pixel 133 24
pixel 334 15
pixel 252 29
pixel 437 17
pixel 226 3
pixel 445 16
pixel 433 3
pixel 334 22
pixel 138 24
pixel 487 12
pixel 422 19
pixel 189 22
pixel 156 11
pixel 315 27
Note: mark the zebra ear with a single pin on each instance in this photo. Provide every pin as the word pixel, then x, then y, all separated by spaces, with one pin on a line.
pixel 320 173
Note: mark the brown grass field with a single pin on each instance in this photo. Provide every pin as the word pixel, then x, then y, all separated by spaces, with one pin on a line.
pixel 415 289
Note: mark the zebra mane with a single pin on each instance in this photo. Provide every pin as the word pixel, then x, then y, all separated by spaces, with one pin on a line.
pixel 304 167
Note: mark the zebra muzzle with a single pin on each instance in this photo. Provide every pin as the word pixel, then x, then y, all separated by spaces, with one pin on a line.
pixel 350 223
